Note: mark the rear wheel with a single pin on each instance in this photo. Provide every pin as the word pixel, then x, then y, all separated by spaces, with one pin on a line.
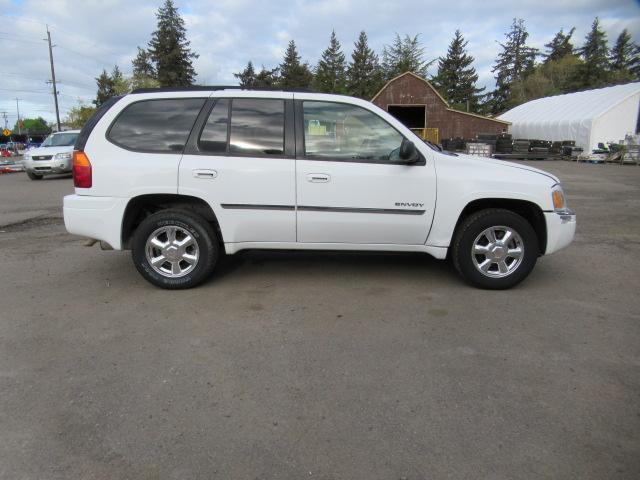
pixel 495 249
pixel 34 176
pixel 174 249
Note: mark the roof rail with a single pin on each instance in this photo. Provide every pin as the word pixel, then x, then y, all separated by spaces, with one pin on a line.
pixel 199 88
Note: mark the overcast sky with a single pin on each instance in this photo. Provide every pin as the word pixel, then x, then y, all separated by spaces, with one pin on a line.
pixel 94 34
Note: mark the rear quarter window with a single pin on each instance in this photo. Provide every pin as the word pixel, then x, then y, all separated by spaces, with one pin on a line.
pixel 156 126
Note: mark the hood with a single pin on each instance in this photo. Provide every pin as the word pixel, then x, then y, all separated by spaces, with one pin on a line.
pixel 49 150
pixel 502 163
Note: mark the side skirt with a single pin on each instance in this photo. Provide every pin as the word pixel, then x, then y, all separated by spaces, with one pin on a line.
pixel 436 252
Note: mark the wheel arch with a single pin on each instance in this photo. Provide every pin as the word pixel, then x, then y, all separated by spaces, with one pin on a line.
pixel 526 209
pixel 140 207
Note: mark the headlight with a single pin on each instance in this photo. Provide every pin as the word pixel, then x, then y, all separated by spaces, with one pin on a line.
pixel 557 195
pixel 63 156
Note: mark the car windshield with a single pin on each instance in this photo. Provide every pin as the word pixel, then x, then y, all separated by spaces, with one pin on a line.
pixel 60 140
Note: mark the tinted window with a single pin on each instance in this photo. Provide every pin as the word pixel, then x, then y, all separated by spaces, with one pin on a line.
pixel 341 131
pixel 257 126
pixel 156 125
pixel 214 134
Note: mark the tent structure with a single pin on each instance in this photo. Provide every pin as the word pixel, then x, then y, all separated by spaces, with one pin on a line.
pixel 589 117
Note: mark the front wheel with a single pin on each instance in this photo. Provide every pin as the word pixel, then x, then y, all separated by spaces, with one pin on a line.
pixel 495 249
pixel 173 249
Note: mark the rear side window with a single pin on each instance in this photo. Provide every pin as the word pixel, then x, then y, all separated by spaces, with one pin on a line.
pixel 257 126
pixel 161 126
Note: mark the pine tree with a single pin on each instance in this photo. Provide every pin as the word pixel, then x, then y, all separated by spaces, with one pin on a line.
pixel 330 74
pixel 267 78
pixel 595 53
pixel 623 52
pixel 144 72
pixel 143 65
pixel 364 75
pixel 514 63
pixel 169 49
pixel 294 74
pixel 456 78
pixel 404 55
pixel 560 46
pixel 106 88
pixel 121 85
pixel 247 77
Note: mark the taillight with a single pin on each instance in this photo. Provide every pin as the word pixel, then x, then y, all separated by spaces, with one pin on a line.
pixel 81 170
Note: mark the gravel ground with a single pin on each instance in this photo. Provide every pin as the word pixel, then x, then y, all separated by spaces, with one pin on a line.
pixel 329 366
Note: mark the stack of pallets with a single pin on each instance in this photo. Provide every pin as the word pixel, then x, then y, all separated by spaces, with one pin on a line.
pixel 479 149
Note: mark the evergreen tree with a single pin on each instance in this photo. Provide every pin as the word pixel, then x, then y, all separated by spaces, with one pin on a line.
pixel 404 55
pixel 169 49
pixel 594 72
pixel 623 53
pixel 364 76
pixel 294 74
pixel 143 65
pixel 121 85
pixel 247 77
pixel 330 74
pixel 514 63
pixel 560 46
pixel 267 78
pixel 106 88
pixel 456 78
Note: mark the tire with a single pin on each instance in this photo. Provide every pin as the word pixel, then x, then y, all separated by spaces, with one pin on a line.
pixel 34 176
pixel 504 267
pixel 204 247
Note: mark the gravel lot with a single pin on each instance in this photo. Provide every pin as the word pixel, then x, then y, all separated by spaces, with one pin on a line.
pixel 329 366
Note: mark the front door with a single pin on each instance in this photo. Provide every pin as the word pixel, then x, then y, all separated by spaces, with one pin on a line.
pixel 241 161
pixel 352 186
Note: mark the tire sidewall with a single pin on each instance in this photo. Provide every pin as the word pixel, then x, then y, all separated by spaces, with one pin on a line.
pixel 477 224
pixel 195 226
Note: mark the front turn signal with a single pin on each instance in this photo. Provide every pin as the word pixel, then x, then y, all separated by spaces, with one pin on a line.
pixel 81 170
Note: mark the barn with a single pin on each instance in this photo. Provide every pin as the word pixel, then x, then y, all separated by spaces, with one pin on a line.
pixel 417 104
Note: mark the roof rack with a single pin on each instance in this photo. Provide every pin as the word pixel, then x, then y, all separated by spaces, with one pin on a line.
pixel 200 88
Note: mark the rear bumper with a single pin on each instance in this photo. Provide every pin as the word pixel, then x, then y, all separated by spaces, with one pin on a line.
pixel 561 228
pixel 95 217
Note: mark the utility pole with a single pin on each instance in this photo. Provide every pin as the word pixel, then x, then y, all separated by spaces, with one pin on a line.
pixel 4 115
pixel 53 77
pixel 18 109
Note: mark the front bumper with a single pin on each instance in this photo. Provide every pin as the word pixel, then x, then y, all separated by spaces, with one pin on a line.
pixel 561 228
pixel 95 217
pixel 47 167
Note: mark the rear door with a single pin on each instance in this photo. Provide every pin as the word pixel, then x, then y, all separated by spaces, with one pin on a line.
pixel 240 159
pixel 352 186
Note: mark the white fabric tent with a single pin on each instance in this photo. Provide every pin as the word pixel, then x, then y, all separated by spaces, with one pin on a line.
pixel 589 117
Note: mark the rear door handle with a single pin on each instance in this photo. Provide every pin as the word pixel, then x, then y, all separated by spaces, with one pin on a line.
pixel 318 178
pixel 205 173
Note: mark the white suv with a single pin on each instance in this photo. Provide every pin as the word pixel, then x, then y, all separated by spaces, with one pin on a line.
pixel 181 175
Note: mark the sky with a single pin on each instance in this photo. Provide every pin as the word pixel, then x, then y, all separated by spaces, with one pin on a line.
pixel 94 34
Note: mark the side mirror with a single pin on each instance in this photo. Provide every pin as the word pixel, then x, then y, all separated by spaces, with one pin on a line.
pixel 408 151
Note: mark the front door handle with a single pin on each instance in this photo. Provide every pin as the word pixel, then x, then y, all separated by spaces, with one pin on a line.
pixel 205 173
pixel 318 178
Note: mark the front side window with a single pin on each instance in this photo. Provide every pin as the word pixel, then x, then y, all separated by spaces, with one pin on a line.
pixel 347 132
pixel 257 126
pixel 161 125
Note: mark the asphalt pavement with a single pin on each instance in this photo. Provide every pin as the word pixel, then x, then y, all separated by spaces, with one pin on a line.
pixel 321 365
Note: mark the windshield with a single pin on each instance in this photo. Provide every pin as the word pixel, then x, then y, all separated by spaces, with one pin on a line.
pixel 60 140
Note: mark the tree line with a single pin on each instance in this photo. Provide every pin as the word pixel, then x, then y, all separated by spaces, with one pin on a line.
pixel 521 72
